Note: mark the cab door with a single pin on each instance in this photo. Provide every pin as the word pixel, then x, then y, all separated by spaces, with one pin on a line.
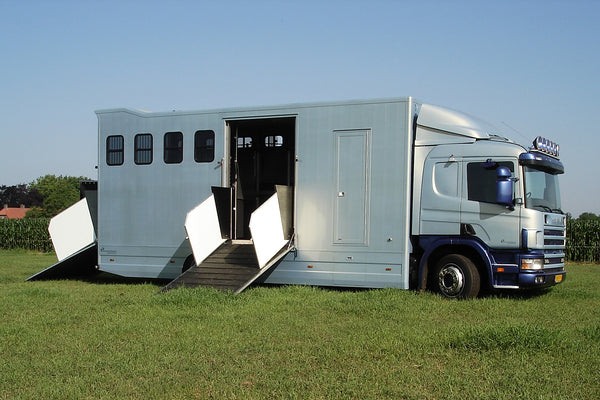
pixel 496 225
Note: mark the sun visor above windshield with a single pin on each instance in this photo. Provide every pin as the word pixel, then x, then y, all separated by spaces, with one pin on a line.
pixel 454 122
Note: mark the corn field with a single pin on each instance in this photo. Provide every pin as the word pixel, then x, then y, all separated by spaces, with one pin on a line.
pixel 583 237
pixel 583 241
pixel 30 234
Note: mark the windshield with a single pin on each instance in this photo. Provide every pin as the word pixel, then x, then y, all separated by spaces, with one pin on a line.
pixel 541 190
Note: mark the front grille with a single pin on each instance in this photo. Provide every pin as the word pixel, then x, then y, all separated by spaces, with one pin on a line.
pixel 554 247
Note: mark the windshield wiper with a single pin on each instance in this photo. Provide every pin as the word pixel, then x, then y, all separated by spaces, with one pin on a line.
pixel 545 208
pixel 558 210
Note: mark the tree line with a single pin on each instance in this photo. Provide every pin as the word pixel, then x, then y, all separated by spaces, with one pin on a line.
pixel 586 216
pixel 46 196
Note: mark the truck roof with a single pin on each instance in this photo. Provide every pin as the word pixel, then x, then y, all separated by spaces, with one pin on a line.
pixel 456 122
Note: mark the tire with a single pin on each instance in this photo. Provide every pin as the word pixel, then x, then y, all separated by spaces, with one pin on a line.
pixel 456 277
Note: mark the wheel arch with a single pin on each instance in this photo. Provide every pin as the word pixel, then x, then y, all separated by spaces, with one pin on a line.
pixel 441 247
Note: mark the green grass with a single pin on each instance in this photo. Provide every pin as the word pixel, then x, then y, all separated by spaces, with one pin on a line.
pixel 106 340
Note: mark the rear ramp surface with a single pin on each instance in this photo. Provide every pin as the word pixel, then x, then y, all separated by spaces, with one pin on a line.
pixel 233 266
pixel 80 263
pixel 73 235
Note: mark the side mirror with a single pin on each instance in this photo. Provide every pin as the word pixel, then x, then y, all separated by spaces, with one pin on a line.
pixel 504 187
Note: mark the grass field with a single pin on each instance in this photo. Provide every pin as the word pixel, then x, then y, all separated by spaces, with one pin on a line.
pixel 105 340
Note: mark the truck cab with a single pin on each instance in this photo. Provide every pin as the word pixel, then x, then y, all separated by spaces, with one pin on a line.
pixel 486 211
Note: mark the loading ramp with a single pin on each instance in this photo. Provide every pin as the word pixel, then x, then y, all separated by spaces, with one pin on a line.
pixel 73 234
pixel 233 266
pixel 79 264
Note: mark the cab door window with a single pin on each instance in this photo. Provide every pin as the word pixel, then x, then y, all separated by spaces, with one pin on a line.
pixel 481 180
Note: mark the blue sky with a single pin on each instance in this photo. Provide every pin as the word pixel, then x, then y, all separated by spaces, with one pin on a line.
pixel 529 67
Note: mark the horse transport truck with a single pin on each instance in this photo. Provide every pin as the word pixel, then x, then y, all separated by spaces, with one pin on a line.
pixel 377 193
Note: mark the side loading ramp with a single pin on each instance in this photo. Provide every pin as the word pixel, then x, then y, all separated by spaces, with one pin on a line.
pixel 230 264
pixel 73 234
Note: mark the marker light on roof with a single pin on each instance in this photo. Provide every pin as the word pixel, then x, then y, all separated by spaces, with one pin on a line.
pixel 546 146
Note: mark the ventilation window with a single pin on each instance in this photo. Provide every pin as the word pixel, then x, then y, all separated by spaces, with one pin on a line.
pixel 273 141
pixel 114 150
pixel 143 149
pixel 204 146
pixel 173 147
pixel 244 142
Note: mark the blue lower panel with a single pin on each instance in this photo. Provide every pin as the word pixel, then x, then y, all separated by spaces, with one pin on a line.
pixel 524 280
pixel 544 279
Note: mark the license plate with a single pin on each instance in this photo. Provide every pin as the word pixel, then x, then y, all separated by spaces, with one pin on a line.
pixel 558 278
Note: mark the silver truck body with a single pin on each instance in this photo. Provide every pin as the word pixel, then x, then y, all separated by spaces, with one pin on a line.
pixel 379 192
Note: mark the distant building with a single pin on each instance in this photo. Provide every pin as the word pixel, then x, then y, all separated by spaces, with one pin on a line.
pixel 13 212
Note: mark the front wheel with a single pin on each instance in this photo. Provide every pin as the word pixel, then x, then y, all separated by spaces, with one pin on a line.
pixel 456 277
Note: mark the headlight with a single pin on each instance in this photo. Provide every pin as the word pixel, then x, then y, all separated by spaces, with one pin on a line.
pixel 532 263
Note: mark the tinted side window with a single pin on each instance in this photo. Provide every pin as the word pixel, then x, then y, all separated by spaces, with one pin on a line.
pixel 481 180
pixel 143 149
pixel 173 147
pixel 114 150
pixel 204 146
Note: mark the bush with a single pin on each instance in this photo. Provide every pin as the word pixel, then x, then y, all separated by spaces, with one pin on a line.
pixel 29 233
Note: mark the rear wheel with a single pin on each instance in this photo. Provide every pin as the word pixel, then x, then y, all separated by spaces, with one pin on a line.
pixel 456 276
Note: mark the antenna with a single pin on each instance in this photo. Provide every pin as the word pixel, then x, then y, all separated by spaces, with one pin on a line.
pixel 516 131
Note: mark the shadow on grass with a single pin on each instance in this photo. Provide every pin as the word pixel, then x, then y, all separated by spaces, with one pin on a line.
pixel 105 278
pixel 523 294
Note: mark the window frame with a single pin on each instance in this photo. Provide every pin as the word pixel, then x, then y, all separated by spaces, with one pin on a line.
pixel 139 150
pixel 111 152
pixel 202 146
pixel 173 154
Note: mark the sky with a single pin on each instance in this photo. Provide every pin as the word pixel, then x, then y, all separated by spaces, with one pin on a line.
pixel 529 67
